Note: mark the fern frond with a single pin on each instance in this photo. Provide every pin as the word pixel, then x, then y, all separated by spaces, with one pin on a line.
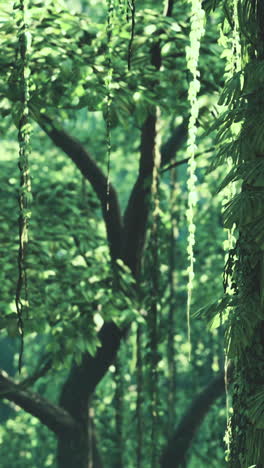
pixel 239 335
pixel 246 207
pixel 251 172
pixel 216 313
pixel 253 77
pixel 232 90
pixel 256 408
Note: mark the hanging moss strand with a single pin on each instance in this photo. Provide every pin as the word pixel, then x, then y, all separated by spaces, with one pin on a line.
pixel 233 65
pixel 24 130
pixel 140 398
pixel 171 330
pixel 132 7
pixel 236 38
pixel 119 410
pixel 192 56
pixel 109 97
pixel 153 316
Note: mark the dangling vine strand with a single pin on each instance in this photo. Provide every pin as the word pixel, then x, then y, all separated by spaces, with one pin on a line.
pixel 171 325
pixel 236 38
pixel 24 130
pixel 108 81
pixel 132 7
pixel 140 396
pixel 155 278
pixel 119 408
pixel 192 56
pixel 233 65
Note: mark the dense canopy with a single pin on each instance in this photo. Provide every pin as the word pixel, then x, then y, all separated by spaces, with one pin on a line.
pixel 131 263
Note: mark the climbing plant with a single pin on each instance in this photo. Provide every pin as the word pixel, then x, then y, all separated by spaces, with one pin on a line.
pixel 128 72
pixel 108 83
pixel 192 55
pixel 240 137
pixel 153 319
pixel 24 129
pixel 119 14
pixel 132 8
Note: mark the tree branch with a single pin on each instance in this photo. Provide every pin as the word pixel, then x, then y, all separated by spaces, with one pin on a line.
pixel 55 418
pixel 138 207
pixel 175 453
pixel 168 8
pixel 94 175
pixel 137 211
pixel 43 366
pixel 83 379
pixel 185 161
pixel 174 143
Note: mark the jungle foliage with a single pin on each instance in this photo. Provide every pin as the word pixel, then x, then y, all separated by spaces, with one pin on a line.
pixel 137 131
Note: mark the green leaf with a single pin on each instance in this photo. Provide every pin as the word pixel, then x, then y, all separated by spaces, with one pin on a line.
pixel 255 410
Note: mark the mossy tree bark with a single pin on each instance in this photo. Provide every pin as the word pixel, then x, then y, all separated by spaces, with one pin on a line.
pixel 245 331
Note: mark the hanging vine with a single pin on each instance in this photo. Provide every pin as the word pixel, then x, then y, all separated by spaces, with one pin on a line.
pixel 24 131
pixel 109 96
pixel 116 10
pixel 154 306
pixel 171 326
pixel 237 52
pixel 192 56
pixel 132 8
pixel 140 396
pixel 233 65
pixel 240 136
pixel 119 410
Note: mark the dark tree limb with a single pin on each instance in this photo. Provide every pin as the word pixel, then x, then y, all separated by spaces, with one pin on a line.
pixel 168 8
pixel 83 379
pixel 79 448
pixel 170 148
pixel 137 211
pixel 76 394
pixel 138 207
pixel 174 455
pixel 91 171
pixel 55 418
pixel 43 367
pixel 185 160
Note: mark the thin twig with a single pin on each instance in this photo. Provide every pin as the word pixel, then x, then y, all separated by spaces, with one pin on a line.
pixel 184 161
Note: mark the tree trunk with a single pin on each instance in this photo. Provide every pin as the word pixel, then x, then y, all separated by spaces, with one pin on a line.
pixel 78 448
pixel 73 449
pixel 246 320
pixel 176 452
